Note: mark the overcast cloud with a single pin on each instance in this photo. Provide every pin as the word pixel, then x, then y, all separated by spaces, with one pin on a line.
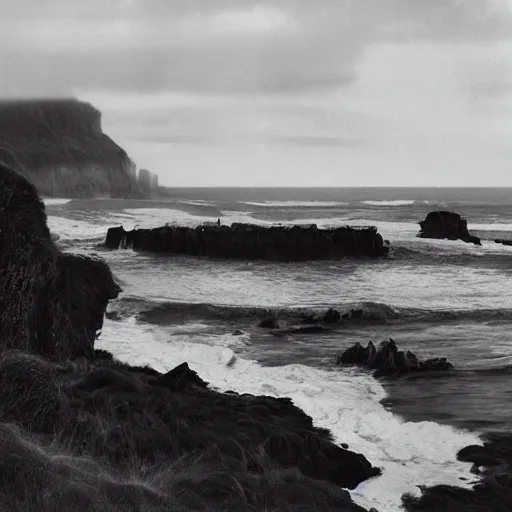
pixel 281 92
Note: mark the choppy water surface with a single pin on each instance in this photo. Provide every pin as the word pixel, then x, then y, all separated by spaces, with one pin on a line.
pixel 437 298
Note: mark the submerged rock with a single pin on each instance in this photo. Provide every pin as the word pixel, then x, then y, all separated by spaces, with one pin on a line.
pixel 51 303
pixel 446 225
pixel 331 316
pixel 387 360
pixel 503 241
pixel 269 322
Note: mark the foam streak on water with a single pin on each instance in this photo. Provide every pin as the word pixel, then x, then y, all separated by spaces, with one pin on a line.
pixel 55 201
pixel 346 402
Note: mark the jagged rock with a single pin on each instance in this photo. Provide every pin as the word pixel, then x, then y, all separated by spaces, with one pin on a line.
pixel 51 303
pixel 179 378
pixel 251 242
pixel 356 354
pixel 446 225
pixel 492 462
pixel 435 364
pixel 331 316
pixel 387 360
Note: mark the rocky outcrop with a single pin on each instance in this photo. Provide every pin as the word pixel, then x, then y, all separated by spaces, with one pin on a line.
pixel 252 242
pixel 503 241
pixel 492 489
pixel 60 147
pixel 147 181
pixel 446 225
pixel 51 303
pixel 388 361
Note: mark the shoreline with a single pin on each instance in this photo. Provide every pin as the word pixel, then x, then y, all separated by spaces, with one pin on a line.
pixel 96 385
pixel 87 432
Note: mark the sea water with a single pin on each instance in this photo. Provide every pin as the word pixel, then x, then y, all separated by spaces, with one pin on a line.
pixel 435 297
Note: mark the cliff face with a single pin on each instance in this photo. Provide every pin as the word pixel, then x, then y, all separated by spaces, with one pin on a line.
pixel 60 146
pixel 147 181
pixel 51 303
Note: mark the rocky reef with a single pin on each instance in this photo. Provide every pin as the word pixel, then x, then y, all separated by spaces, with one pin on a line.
pixel 59 146
pixel 388 361
pixel 252 242
pixel 446 225
pixel 81 431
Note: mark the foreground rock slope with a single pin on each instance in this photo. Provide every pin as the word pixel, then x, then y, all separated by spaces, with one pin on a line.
pixel 59 145
pixel 252 242
pixel 82 431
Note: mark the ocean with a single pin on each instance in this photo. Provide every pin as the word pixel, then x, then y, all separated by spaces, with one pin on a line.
pixel 437 298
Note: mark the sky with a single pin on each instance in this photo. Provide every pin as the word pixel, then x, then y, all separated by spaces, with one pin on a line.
pixel 280 92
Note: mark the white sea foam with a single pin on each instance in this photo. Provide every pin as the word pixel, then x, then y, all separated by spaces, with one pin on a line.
pixel 51 201
pixel 196 202
pixel 397 202
pixel 72 229
pixel 346 402
pixel 295 204
pixel 490 227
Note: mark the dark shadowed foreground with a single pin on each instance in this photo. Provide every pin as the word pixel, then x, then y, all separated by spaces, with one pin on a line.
pixel 80 431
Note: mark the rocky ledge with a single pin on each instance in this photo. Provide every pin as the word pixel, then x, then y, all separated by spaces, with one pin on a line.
pixel 59 146
pixel 252 242
pixel 446 225
pixel 82 431
pixel 51 303
pixel 388 361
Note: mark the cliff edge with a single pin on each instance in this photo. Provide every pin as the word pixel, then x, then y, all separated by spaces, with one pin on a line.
pixel 59 145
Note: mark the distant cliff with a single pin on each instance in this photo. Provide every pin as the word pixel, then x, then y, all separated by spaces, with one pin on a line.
pixel 60 146
pixel 147 181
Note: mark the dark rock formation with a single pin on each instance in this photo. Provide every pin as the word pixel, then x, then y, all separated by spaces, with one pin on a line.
pixel 153 181
pixel 59 146
pixel 115 428
pixel 491 493
pixel 387 360
pixel 179 378
pixel 247 241
pixel 144 180
pixel 503 241
pixel 331 316
pixel 51 303
pixel 269 322
pixel 446 225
